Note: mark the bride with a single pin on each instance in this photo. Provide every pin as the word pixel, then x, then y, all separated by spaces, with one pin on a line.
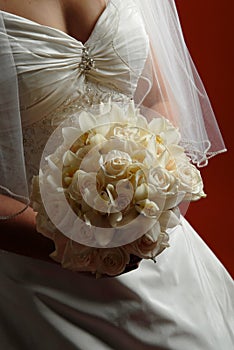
pixel 60 57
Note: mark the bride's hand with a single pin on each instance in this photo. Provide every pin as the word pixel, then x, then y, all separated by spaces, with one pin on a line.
pixel 19 235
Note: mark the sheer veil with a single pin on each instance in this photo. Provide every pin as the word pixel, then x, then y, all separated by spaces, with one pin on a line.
pixel 13 181
pixel 176 82
pixel 169 85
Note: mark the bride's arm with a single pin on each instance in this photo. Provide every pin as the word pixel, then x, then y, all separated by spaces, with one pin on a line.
pixel 159 98
pixel 18 235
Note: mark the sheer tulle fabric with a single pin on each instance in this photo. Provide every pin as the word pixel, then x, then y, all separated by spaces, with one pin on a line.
pixel 169 85
pixel 12 166
pixel 177 91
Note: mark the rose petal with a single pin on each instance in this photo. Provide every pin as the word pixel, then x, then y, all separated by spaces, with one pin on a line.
pixel 70 133
pixel 104 236
pixel 141 192
pixel 147 208
pixel 87 121
pixel 115 218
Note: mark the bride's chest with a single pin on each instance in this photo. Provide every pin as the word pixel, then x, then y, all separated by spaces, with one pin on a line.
pixel 51 64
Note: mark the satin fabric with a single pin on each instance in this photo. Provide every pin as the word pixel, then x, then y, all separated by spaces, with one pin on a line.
pixel 48 60
pixel 184 301
pixel 51 82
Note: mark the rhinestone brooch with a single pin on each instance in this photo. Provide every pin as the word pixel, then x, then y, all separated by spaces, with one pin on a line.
pixel 87 62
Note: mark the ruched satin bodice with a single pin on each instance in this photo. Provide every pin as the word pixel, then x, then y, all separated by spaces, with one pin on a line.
pixel 49 61
pixel 58 75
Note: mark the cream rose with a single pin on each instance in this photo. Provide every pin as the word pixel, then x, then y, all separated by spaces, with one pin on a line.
pixel 141 192
pixel 163 180
pixel 134 134
pixel 165 130
pixel 147 208
pixel 78 257
pixel 43 223
pixel 190 181
pixel 112 261
pixel 102 203
pixel 164 188
pixel 150 244
pixel 115 164
pixel 125 191
pixel 83 231
pixel 130 133
pixel 96 139
pixel 86 186
pixel 73 191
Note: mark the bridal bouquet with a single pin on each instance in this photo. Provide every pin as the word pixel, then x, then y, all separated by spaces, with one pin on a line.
pixel 109 189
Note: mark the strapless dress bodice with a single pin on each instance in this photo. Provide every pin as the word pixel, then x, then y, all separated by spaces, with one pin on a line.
pixel 58 75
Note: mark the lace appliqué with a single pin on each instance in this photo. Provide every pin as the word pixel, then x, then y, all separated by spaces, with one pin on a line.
pixel 36 135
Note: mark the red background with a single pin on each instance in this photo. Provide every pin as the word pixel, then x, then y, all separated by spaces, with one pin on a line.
pixel 208 31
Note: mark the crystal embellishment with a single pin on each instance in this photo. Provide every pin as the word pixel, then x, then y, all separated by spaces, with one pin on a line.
pixel 87 62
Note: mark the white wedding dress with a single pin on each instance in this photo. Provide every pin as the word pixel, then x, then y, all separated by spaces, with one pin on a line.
pixel 185 300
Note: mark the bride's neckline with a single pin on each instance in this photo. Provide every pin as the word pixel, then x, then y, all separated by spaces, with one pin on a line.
pixel 59 31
